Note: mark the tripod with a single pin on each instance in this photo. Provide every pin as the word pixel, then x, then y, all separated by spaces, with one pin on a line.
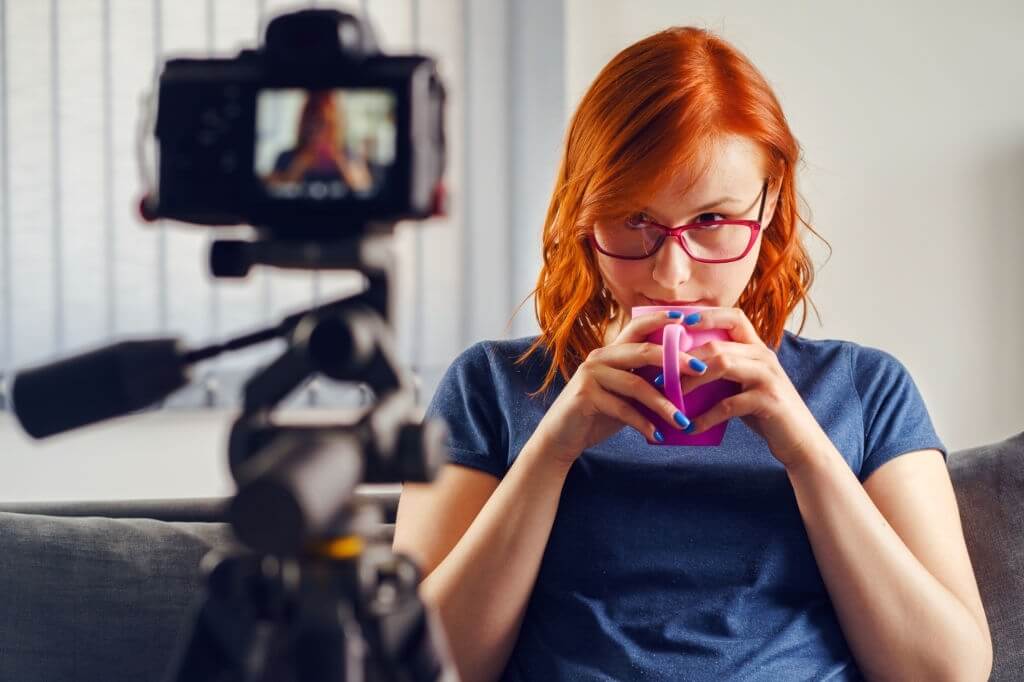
pixel 316 596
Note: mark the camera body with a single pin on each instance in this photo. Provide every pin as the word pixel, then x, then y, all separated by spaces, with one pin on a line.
pixel 312 134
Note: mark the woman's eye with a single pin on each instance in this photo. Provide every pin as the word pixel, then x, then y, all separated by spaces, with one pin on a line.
pixel 709 217
pixel 638 220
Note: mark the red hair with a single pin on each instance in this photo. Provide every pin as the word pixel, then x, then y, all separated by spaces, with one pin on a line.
pixel 658 107
pixel 320 105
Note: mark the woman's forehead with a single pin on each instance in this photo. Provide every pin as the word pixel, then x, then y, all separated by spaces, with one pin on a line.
pixel 732 168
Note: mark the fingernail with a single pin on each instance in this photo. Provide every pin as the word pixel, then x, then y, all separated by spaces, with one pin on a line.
pixel 692 318
pixel 659 436
pixel 675 314
pixel 659 380
pixel 681 419
pixel 697 365
pixel 690 429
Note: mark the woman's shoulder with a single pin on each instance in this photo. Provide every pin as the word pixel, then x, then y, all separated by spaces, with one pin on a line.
pixel 500 355
pixel 509 347
pixel 501 363
pixel 285 156
pixel 485 381
pixel 859 359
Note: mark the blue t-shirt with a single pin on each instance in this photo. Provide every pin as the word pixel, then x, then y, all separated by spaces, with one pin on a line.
pixel 682 563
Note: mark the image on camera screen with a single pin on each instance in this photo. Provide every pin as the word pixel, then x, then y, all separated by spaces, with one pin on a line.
pixel 324 144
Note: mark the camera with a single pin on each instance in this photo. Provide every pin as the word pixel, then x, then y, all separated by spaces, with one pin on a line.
pixel 311 134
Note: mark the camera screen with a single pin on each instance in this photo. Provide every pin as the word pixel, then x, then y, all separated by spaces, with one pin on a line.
pixel 324 144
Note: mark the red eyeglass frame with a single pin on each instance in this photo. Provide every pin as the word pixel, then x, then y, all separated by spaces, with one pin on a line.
pixel 677 232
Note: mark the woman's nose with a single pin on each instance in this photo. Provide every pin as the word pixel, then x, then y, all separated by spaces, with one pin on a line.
pixel 672 265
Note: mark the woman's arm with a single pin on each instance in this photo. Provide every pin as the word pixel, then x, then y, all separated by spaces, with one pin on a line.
pixel 485 572
pixel 480 587
pixel 291 171
pixel 356 174
pixel 901 582
pixel 904 593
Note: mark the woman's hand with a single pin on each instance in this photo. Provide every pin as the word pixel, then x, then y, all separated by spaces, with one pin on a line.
pixel 354 171
pixel 593 405
pixel 768 402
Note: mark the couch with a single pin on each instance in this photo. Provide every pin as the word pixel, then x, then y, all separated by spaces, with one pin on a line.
pixel 105 591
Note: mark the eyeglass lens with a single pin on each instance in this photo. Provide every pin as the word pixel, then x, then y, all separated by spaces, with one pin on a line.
pixel 713 242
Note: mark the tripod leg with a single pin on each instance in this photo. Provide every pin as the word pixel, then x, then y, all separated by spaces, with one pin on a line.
pixel 236 630
pixel 407 640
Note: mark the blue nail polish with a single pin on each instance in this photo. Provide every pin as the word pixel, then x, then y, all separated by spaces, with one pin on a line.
pixel 690 429
pixel 697 365
pixel 659 380
pixel 692 318
pixel 675 314
pixel 681 419
pixel 659 436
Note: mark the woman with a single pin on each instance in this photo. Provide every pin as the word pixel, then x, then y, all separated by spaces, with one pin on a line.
pixel 821 540
pixel 317 155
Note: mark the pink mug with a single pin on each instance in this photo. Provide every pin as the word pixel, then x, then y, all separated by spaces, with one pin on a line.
pixel 676 338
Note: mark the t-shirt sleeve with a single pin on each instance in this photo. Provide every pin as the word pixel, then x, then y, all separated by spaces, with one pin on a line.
pixel 896 420
pixel 467 399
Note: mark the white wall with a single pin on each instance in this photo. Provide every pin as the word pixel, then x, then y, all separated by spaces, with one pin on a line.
pixel 156 455
pixel 911 119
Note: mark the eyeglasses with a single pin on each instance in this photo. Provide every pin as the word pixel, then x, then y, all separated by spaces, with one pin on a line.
pixel 714 241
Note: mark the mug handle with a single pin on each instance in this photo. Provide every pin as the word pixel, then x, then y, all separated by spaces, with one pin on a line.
pixel 674 340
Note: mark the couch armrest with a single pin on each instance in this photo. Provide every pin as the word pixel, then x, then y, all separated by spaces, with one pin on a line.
pixel 989 484
pixel 191 510
pixel 186 510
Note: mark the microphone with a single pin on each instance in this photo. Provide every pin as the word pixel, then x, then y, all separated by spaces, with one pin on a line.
pixel 97 385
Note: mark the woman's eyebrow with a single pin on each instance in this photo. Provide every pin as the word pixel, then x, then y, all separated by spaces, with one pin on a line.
pixel 700 209
pixel 714 204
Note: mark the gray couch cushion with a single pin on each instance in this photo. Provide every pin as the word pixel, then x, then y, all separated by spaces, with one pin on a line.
pixel 989 482
pixel 96 598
